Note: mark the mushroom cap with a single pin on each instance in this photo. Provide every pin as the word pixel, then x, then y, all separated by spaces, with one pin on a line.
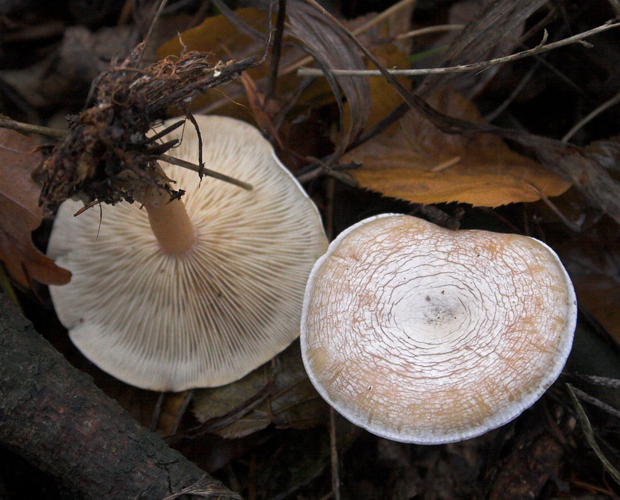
pixel 425 335
pixel 212 315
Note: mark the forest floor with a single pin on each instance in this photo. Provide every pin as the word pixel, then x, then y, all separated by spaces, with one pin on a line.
pixel 549 169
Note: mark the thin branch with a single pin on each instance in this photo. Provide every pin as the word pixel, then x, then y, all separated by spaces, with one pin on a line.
pixel 568 223
pixel 430 29
pixel 589 435
pixel 157 411
pixel 206 171
pixel 147 38
pixel 542 47
pixel 33 129
pixel 606 105
pixel 596 402
pixel 57 419
pixel 601 381
pixel 177 421
pixel 326 169
pixel 276 50
pixel 333 445
pixel 270 30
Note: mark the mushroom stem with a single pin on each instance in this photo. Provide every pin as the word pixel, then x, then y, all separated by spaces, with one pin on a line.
pixel 172 227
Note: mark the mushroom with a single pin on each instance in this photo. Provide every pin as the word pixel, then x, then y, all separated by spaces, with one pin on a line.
pixel 425 335
pixel 194 292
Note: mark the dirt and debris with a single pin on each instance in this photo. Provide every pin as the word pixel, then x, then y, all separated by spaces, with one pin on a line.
pixel 107 156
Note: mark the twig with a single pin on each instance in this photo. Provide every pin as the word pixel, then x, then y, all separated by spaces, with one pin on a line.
pixel 568 223
pixel 158 12
pixel 324 168
pixel 177 421
pixel 596 402
pixel 429 29
pixel 201 165
pixel 602 381
pixel 157 412
pixel 542 47
pixel 206 171
pixel 275 52
pixel 165 132
pixel 589 435
pixel 34 129
pixel 391 118
pixel 606 105
pixel 81 425
pixel 571 225
pixel 333 445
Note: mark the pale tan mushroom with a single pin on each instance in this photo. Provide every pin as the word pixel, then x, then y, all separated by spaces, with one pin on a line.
pixel 198 292
pixel 425 335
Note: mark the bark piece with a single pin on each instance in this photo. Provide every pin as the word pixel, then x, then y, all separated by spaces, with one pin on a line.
pixel 55 417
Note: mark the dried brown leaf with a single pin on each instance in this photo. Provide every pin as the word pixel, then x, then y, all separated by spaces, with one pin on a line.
pixel 415 161
pixel 20 213
pixel 491 31
pixel 291 402
pixel 331 49
pixel 586 167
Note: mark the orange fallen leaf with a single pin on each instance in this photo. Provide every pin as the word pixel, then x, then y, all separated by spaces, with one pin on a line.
pixel 20 213
pixel 218 36
pixel 415 161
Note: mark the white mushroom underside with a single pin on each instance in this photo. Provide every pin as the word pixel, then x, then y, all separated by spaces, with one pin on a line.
pixel 457 333
pixel 212 315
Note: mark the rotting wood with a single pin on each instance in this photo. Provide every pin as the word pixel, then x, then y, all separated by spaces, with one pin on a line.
pixel 55 417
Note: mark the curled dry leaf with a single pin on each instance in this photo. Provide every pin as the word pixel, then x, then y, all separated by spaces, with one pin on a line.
pixel 328 45
pixel 492 32
pixel 20 213
pixel 415 161
pixel 290 401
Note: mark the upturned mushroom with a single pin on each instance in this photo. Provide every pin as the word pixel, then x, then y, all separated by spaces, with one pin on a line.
pixel 194 292
pixel 426 335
